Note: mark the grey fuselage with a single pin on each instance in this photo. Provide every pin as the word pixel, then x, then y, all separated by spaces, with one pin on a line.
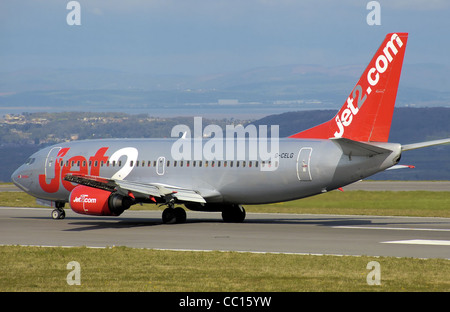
pixel 299 168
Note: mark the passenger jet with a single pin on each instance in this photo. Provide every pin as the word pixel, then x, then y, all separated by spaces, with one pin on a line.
pixel 105 177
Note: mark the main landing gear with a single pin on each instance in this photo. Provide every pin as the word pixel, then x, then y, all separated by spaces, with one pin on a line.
pixel 173 215
pixel 233 214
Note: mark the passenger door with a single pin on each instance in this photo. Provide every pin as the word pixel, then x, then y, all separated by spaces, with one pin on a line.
pixel 303 164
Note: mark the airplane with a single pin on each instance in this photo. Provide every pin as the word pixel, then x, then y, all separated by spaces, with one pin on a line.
pixel 105 177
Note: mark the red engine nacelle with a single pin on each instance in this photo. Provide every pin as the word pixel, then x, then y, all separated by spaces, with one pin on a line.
pixel 92 201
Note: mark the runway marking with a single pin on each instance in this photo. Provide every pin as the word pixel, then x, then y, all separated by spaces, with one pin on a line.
pixel 389 228
pixel 421 242
pixel 24 208
pixel 197 250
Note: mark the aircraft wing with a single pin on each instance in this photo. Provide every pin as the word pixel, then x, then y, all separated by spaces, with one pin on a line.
pixel 148 189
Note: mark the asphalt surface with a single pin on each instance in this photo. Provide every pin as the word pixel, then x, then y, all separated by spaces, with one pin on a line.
pixel 280 233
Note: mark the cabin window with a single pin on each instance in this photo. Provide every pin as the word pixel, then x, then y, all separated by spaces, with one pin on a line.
pixel 174 163
pixel 188 162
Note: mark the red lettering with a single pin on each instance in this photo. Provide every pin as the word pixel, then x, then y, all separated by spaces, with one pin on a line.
pixel 76 164
pixel 83 169
pixel 53 185
pixel 96 161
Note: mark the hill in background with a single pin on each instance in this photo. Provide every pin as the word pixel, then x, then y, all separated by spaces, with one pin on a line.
pixel 20 136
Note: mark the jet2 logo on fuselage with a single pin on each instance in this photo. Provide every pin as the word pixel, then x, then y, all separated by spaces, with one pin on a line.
pixel 61 168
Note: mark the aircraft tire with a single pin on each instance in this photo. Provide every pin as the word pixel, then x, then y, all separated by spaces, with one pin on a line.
pixel 234 214
pixel 58 214
pixel 180 215
pixel 169 216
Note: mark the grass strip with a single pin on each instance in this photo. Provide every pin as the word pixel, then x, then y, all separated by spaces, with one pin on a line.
pixel 120 269
pixel 386 203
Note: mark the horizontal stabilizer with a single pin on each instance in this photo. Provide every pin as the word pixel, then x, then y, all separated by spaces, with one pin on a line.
pixel 401 167
pixel 408 147
pixel 355 148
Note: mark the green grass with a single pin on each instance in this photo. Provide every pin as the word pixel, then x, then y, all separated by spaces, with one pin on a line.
pixel 411 203
pixel 127 269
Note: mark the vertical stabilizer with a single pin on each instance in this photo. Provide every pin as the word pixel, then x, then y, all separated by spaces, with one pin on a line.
pixel 367 113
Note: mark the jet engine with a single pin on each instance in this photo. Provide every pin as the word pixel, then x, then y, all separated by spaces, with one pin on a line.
pixel 93 201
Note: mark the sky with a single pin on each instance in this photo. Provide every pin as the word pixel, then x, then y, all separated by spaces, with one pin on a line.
pixel 199 37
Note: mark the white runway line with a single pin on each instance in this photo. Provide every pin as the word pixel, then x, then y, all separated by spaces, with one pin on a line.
pixel 389 228
pixel 420 242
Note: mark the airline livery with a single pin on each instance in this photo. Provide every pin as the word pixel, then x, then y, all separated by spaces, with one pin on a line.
pixel 105 177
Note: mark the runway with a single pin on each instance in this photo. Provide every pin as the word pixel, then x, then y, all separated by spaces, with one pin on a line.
pixel 278 233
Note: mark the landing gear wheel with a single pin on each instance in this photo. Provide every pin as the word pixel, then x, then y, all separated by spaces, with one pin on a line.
pixel 234 214
pixel 180 215
pixel 174 215
pixel 168 216
pixel 58 214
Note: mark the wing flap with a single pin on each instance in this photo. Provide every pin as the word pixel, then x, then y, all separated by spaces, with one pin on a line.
pixel 182 194
pixel 137 187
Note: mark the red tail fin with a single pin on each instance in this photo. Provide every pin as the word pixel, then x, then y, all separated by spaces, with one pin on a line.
pixel 367 113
